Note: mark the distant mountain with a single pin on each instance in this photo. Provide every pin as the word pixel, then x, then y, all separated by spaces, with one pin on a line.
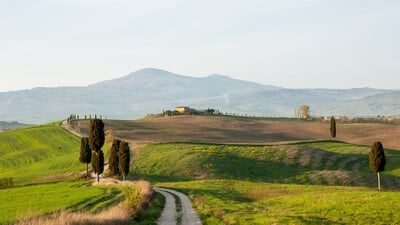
pixel 152 90
pixel 11 125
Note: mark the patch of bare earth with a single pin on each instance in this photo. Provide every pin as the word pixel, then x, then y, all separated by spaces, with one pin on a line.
pixel 290 155
pixel 244 130
pixel 306 156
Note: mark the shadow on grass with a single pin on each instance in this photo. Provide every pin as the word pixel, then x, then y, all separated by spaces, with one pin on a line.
pixel 302 163
pixel 313 220
pixel 109 197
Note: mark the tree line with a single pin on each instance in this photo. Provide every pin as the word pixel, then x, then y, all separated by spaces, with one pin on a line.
pixel 90 152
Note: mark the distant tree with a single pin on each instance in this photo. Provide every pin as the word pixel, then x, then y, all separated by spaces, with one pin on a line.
pixel 333 127
pixel 124 159
pixel 96 142
pixel 305 111
pixel 113 159
pixel 377 160
pixel 168 113
pixel 98 163
pixel 85 154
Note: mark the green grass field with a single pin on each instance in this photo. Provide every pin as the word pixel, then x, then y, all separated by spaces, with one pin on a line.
pixel 34 153
pixel 246 202
pixel 40 199
pixel 320 162
pixel 321 182
pixel 313 182
pixel 44 164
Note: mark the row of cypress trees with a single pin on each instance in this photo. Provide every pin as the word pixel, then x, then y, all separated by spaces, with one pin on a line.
pixel 119 158
pixel 91 152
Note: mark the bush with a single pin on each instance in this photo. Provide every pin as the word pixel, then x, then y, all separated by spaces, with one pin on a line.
pixel 139 198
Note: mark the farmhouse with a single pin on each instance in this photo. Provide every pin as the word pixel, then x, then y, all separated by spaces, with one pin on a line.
pixel 182 109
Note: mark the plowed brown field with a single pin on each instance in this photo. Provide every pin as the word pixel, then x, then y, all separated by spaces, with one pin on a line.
pixel 247 130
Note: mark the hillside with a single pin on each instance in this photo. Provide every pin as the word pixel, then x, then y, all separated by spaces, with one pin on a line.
pixel 152 90
pixel 317 162
pixel 41 152
pixel 245 130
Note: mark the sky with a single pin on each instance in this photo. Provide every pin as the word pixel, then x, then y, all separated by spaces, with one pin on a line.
pixel 286 43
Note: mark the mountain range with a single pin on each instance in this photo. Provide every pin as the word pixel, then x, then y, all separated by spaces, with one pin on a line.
pixel 152 90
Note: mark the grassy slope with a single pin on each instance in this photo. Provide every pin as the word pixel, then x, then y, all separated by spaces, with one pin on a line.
pixel 271 184
pixel 244 202
pixel 35 155
pixel 31 153
pixel 322 162
pixel 32 200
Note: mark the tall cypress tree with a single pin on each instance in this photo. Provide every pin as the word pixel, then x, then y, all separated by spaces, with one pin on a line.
pixel 124 159
pixel 113 159
pixel 333 127
pixel 377 160
pixel 85 154
pixel 96 142
pixel 96 134
pixel 98 163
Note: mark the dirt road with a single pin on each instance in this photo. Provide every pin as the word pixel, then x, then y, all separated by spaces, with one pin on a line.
pixel 169 215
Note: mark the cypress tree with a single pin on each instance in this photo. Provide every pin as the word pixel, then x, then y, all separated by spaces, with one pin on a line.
pixel 96 142
pixel 95 164
pixel 333 128
pixel 124 159
pixel 98 163
pixel 113 159
pixel 377 160
pixel 96 134
pixel 85 154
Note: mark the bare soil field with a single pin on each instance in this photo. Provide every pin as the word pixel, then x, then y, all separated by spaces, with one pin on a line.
pixel 245 130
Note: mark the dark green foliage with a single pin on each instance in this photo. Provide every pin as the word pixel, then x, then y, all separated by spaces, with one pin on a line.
pixel 98 163
pixel 101 162
pixel 333 127
pixel 95 164
pixel 113 159
pixel 85 154
pixel 96 134
pixel 124 158
pixel 377 160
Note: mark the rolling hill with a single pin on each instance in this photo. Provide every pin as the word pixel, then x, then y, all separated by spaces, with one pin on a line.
pixel 39 152
pixel 152 90
pixel 242 130
pixel 228 183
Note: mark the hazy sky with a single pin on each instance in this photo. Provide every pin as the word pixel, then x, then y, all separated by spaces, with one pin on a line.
pixel 288 43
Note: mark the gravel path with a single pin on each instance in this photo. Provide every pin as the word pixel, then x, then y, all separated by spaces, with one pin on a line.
pixel 189 216
pixel 168 216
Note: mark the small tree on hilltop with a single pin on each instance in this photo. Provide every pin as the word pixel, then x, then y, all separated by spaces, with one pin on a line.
pixel 85 154
pixel 333 128
pixel 377 160
pixel 96 142
pixel 124 159
pixel 113 159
